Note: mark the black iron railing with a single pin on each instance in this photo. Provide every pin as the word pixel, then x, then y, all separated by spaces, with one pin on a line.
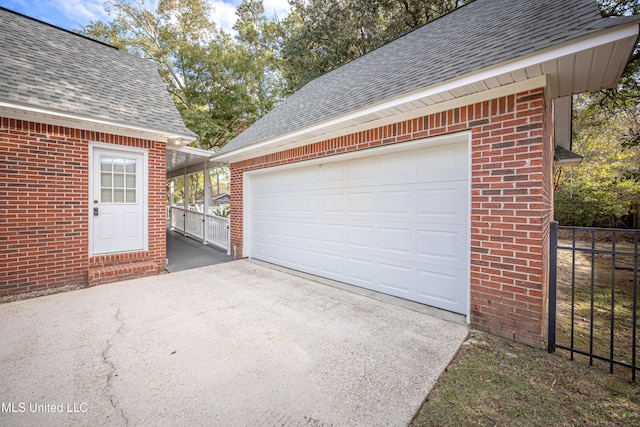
pixel 593 294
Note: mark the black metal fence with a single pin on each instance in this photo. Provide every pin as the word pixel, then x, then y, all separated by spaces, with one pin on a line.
pixel 593 294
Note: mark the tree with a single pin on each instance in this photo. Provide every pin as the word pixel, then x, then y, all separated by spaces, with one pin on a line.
pixel 319 36
pixel 258 57
pixel 605 187
pixel 210 77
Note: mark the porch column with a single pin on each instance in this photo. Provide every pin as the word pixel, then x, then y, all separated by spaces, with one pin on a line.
pixel 172 189
pixel 207 196
pixel 185 201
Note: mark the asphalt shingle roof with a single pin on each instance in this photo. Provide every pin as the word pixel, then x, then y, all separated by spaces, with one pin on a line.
pixel 46 67
pixel 476 36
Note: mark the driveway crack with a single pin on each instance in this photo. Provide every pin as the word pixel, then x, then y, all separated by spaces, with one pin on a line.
pixel 108 391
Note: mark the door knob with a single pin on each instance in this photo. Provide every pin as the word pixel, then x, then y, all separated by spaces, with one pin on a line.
pixel 95 211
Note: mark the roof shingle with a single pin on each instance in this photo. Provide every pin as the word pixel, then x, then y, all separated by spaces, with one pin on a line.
pixel 478 35
pixel 47 67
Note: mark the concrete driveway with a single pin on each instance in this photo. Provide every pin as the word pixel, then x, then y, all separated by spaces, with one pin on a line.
pixel 232 344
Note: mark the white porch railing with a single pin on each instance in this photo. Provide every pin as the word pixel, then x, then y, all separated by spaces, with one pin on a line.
pixel 177 218
pixel 195 224
pixel 218 231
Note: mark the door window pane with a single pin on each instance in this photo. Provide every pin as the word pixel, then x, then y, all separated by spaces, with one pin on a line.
pixel 117 180
pixel 105 196
pixel 118 195
pixel 105 179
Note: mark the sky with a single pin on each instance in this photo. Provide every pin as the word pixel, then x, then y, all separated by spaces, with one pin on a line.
pixel 72 14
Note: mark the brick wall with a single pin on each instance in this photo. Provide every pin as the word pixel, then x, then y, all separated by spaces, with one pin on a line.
pixel 511 202
pixel 44 209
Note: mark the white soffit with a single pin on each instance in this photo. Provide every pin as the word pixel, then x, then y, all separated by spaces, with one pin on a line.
pixel 187 159
pixel 586 64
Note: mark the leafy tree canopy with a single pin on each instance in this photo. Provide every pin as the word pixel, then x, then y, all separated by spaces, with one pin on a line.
pixel 220 85
pixel 604 190
pixel 320 35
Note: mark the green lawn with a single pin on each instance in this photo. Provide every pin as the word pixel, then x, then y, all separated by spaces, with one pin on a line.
pixel 497 382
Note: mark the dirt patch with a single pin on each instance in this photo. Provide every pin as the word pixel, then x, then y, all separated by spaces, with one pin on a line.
pixel 40 293
pixel 497 382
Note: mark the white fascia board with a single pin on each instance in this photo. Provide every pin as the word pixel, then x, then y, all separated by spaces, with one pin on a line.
pixel 41 115
pixel 264 148
pixel 550 54
pixel 199 152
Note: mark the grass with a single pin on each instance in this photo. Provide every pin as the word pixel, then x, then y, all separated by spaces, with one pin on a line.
pixel 496 382
pixel 606 301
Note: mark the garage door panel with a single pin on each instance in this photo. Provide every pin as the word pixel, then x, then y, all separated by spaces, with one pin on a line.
pixel 396 203
pixel 361 203
pixel 395 240
pixel 273 228
pixel 290 229
pixel 332 264
pixel 259 250
pixel 359 172
pixel 390 223
pixel 443 247
pixel 440 201
pixel 309 204
pixel 309 231
pixel 360 236
pixel 396 278
pixel 333 203
pixel 309 260
pixel 333 173
pixel 361 271
pixel 289 255
pixel 442 163
pixel 332 233
pixel 289 204
pixel 273 251
pixel 439 289
pixel 396 165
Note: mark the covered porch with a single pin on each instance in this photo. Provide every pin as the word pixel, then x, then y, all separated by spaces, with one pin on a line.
pixel 195 212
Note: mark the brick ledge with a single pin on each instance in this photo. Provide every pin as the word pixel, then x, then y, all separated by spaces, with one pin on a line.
pixel 100 275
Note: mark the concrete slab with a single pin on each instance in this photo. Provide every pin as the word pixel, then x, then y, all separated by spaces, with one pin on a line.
pixel 184 253
pixel 231 344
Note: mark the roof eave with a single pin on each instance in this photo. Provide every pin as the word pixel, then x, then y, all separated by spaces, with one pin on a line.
pixel 58 118
pixel 559 70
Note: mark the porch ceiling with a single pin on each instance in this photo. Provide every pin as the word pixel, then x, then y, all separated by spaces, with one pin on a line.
pixel 188 159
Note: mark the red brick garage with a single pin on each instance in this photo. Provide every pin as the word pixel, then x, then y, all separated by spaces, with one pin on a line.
pixel 458 75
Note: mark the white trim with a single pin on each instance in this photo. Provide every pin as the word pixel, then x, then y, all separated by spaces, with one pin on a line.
pixel 193 151
pixel 368 152
pixel 41 115
pixel 469 205
pixel 570 48
pixel 145 191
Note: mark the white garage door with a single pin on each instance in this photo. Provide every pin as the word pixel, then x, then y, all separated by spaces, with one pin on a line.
pixel 395 221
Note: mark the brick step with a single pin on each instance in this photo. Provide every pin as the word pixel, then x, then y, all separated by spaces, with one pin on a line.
pixel 114 273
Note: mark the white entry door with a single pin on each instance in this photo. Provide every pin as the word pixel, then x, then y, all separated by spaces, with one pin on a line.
pixel 393 220
pixel 118 200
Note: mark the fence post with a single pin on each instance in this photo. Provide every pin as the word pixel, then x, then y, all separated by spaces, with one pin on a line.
pixel 553 274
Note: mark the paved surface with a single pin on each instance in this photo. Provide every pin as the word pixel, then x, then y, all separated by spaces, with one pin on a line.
pixel 185 253
pixel 231 344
